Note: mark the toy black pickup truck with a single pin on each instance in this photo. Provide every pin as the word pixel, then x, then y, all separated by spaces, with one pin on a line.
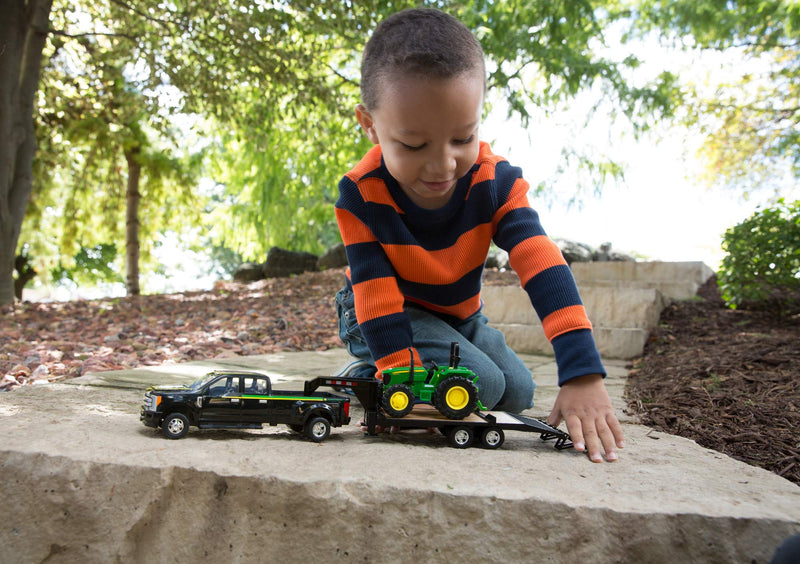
pixel 241 400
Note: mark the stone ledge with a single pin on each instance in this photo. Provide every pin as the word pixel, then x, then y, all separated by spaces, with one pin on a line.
pixel 629 308
pixel 84 480
pixel 676 280
pixel 612 342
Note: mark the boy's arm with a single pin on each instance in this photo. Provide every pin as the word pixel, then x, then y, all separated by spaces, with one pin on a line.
pixel 379 302
pixel 582 400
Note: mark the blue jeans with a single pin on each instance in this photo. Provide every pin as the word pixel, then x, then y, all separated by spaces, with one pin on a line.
pixel 504 382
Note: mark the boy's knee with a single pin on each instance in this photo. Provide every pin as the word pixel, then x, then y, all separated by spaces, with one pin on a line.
pixel 517 397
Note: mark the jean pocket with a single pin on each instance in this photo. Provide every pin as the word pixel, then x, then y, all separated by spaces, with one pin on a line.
pixel 349 331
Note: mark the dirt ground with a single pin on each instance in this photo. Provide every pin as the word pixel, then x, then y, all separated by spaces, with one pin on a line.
pixel 727 379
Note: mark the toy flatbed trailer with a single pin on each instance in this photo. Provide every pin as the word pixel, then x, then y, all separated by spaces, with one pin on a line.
pixel 486 428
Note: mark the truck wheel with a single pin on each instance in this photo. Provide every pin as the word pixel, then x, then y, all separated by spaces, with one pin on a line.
pixel 456 397
pixel 398 400
pixel 492 437
pixel 460 436
pixel 318 429
pixel 175 426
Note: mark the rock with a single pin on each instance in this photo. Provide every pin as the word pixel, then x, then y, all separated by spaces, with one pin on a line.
pixel 249 272
pixel 497 258
pixel 334 257
pixel 605 254
pixel 574 251
pixel 282 263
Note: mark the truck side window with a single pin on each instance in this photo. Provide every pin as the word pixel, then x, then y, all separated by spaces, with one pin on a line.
pixel 224 386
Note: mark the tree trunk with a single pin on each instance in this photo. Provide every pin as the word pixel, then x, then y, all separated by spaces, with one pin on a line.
pixel 132 222
pixel 23 32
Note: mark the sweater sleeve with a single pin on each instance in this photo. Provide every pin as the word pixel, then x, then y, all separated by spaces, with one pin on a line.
pixel 545 276
pixel 378 300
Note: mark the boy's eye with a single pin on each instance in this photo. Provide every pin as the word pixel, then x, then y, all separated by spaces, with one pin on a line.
pixel 412 147
pixel 466 141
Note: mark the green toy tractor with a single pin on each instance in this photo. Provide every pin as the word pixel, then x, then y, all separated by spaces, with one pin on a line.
pixel 452 390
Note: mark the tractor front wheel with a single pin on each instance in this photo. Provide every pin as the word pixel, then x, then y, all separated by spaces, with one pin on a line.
pixel 398 400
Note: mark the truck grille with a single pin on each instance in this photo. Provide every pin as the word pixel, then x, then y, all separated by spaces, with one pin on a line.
pixel 149 402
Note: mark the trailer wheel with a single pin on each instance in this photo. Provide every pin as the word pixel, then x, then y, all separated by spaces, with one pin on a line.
pixel 492 437
pixel 317 429
pixel 398 400
pixel 456 397
pixel 460 436
pixel 175 426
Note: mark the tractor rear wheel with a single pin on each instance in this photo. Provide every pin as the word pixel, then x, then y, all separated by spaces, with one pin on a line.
pixel 398 400
pixel 456 397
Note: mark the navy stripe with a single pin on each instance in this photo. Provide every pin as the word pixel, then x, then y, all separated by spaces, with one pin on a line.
pixel 445 295
pixel 505 175
pixel 368 261
pixel 516 226
pixel 577 355
pixel 543 287
pixel 387 334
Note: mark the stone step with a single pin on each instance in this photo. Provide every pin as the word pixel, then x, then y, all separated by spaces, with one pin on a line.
pixel 675 280
pixel 622 318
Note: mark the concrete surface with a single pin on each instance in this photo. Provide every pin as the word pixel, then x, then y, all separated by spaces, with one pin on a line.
pixel 84 480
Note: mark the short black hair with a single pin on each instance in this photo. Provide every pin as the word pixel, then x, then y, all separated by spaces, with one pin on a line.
pixel 421 41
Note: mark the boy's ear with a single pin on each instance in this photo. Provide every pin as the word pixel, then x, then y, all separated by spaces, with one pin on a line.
pixel 367 123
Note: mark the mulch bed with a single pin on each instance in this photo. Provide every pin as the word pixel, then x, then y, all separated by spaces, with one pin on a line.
pixel 727 379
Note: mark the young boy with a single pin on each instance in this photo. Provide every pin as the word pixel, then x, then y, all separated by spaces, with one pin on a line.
pixel 417 215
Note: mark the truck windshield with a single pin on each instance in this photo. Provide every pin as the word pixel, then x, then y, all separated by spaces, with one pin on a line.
pixel 200 382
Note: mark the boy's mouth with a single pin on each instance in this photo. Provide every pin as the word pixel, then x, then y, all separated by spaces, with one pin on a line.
pixel 438 186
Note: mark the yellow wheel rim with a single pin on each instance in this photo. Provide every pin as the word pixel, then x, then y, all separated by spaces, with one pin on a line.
pixel 457 397
pixel 398 401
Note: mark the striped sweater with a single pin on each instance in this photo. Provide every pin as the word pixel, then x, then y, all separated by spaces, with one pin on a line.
pixel 399 253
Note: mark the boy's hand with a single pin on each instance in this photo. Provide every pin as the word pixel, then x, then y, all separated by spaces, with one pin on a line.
pixel 584 404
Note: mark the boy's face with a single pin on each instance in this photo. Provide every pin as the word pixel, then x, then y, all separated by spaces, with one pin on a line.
pixel 428 132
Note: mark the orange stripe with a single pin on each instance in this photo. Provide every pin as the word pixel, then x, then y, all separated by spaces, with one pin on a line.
pixel 352 229
pixel 564 320
pixel 376 298
pixel 517 198
pixel 370 162
pixel 444 266
pixel 375 190
pixel 531 256
pixel 399 358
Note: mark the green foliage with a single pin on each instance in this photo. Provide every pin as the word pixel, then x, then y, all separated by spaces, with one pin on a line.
pixel 749 114
pixel 762 265
pixel 91 265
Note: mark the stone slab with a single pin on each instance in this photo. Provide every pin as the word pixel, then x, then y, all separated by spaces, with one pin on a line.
pixel 618 343
pixel 83 480
pixel 631 308
pixel 675 280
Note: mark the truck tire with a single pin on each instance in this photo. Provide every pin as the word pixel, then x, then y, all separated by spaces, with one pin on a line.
pixel 318 429
pixel 175 426
pixel 492 437
pixel 398 400
pixel 460 436
pixel 456 397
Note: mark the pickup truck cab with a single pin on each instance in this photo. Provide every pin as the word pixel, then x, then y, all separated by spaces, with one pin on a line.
pixel 241 400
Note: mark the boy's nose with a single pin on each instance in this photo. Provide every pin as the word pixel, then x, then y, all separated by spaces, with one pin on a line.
pixel 442 164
